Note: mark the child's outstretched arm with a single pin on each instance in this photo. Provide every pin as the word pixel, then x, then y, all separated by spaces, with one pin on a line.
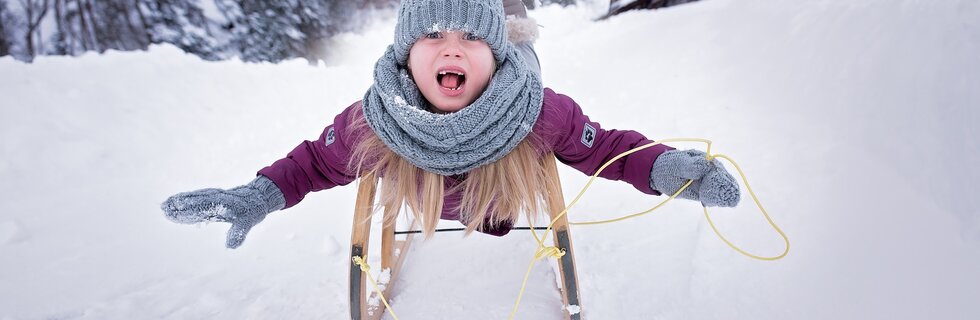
pixel 311 166
pixel 243 207
pixel 585 145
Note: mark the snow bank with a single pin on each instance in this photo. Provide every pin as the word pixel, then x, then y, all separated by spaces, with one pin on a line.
pixel 855 121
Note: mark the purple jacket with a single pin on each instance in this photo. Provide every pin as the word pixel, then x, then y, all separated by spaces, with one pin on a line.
pixel 575 140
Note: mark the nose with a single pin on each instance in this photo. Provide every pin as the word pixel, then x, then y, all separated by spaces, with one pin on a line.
pixel 452 48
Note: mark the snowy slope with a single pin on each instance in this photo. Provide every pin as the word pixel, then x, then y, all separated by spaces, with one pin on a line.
pixel 854 120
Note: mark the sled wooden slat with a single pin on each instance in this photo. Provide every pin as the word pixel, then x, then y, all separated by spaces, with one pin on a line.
pixel 393 253
pixel 563 240
pixel 360 236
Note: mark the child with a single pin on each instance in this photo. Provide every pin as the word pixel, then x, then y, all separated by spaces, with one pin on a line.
pixel 456 125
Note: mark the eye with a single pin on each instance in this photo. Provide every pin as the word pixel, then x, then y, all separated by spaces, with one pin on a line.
pixel 469 36
pixel 433 35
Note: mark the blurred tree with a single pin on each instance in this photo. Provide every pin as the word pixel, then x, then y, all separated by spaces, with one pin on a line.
pixel 563 3
pixel 255 30
pixel 102 25
pixel 268 31
pixel 181 23
pixel 79 30
pixel 620 6
pixel 34 11
pixel 60 38
pixel 317 23
pixel 4 33
pixel 118 27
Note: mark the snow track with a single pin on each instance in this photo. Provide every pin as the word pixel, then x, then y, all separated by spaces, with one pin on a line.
pixel 854 120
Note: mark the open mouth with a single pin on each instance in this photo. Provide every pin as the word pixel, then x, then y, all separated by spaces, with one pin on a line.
pixel 451 78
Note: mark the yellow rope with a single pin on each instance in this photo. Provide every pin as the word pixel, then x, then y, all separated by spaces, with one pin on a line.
pixel 544 251
pixel 764 213
pixel 367 270
pixel 542 247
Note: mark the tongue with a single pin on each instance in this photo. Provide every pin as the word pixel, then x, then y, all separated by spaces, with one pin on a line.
pixel 450 80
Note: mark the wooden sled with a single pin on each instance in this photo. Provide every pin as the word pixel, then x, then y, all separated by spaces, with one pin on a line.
pixel 393 253
pixel 360 309
pixel 563 240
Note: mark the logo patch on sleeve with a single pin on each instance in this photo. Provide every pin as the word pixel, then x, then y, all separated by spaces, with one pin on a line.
pixel 588 135
pixel 330 137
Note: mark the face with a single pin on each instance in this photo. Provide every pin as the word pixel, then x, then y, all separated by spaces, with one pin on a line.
pixel 451 68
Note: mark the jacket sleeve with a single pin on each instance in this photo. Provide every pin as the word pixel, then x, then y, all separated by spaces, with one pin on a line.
pixel 316 165
pixel 584 145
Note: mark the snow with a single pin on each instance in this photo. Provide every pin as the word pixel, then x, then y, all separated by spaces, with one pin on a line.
pixel 855 122
pixel 383 278
pixel 573 309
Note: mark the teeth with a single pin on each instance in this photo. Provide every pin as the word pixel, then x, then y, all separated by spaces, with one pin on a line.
pixel 444 72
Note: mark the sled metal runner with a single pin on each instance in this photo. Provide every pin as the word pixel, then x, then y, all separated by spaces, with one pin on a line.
pixel 360 309
pixel 563 240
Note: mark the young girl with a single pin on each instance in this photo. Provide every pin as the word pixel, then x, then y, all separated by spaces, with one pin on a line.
pixel 456 125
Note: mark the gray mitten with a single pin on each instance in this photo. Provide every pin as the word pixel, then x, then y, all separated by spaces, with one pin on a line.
pixel 243 207
pixel 712 185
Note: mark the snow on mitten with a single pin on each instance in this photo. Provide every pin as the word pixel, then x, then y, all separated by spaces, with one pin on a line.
pixel 712 185
pixel 243 207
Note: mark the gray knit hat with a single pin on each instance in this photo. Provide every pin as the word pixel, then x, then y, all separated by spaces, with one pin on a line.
pixel 488 128
pixel 484 18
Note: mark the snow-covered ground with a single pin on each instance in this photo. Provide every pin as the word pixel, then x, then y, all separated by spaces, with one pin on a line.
pixel 854 120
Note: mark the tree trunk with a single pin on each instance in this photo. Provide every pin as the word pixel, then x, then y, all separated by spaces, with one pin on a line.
pixel 146 28
pixel 40 37
pixel 136 32
pixel 33 23
pixel 74 38
pixel 86 44
pixel 4 45
pixel 97 37
pixel 29 36
pixel 61 42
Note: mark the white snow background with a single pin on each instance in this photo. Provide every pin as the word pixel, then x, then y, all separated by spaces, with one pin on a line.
pixel 854 120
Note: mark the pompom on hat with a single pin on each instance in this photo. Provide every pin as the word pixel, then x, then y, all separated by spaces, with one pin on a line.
pixel 483 18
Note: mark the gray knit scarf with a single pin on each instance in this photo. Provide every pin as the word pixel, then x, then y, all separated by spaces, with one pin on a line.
pixel 453 143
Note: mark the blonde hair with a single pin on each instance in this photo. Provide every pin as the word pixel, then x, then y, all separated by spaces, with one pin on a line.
pixel 492 194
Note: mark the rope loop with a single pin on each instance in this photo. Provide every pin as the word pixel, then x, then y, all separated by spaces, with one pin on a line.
pixel 551 251
pixel 544 251
pixel 358 261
